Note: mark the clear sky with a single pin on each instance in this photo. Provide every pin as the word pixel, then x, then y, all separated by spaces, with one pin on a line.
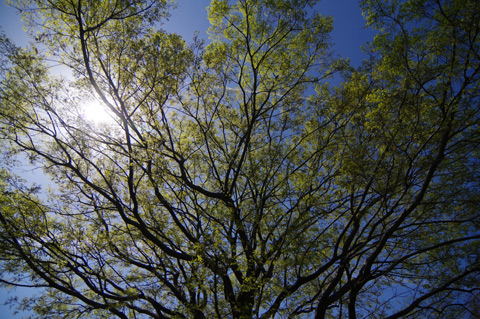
pixel 348 36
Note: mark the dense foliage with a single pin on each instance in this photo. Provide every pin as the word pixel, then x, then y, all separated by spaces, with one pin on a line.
pixel 233 180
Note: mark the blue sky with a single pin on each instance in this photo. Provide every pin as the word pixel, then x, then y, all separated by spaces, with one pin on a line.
pixel 348 36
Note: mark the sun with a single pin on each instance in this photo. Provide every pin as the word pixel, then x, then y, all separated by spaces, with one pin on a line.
pixel 96 111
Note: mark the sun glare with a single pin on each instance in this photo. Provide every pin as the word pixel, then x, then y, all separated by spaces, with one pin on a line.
pixel 95 111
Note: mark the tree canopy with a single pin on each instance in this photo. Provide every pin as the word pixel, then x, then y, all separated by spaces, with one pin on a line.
pixel 236 179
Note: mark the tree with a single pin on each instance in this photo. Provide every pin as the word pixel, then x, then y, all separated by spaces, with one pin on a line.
pixel 234 181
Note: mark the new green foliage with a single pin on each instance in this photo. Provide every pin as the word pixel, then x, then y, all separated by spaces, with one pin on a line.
pixel 234 181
